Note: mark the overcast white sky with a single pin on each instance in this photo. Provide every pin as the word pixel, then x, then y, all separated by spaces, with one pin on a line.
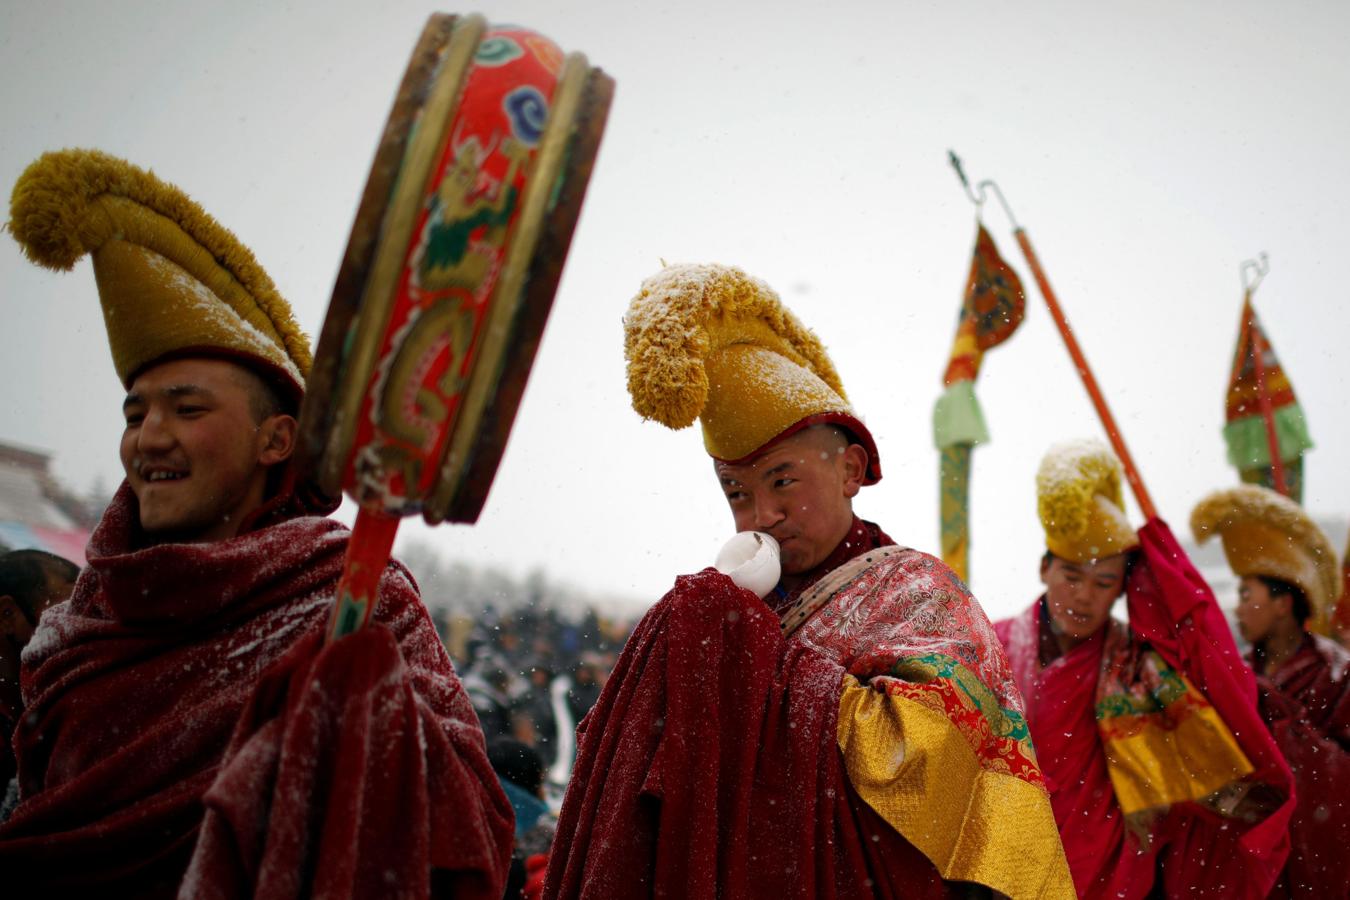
pixel 1147 147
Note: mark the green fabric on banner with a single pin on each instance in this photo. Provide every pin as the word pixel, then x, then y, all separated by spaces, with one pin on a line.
pixel 1248 446
pixel 957 418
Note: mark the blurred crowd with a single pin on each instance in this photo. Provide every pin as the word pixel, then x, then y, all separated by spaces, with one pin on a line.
pixel 532 674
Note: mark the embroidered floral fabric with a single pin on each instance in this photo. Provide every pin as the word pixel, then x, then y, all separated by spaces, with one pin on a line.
pixel 933 729
pixel 911 627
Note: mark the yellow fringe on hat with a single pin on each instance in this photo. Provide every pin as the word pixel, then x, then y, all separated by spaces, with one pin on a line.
pixel 1266 533
pixel 57 216
pixel 686 313
pixel 1079 499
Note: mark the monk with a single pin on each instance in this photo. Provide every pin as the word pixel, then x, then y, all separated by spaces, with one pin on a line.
pixel 186 731
pixel 856 732
pixel 1161 778
pixel 31 581
pixel 1288 583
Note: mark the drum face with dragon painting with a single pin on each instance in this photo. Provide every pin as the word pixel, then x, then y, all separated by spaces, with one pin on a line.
pixel 451 269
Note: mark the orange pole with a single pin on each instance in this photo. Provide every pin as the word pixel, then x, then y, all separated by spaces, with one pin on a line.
pixel 1263 394
pixel 358 590
pixel 1089 382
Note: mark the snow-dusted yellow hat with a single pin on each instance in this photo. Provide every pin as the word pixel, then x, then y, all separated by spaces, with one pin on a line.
pixel 709 342
pixel 1079 498
pixel 171 280
pixel 1266 533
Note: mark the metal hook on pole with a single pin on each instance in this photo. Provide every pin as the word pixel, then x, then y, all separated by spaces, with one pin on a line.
pixel 981 191
pixel 977 199
pixel 1259 269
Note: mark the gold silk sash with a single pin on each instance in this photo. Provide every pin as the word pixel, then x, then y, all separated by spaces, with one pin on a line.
pixel 908 761
pixel 1164 742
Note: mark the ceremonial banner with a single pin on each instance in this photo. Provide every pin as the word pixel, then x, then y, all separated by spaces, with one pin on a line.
pixel 991 311
pixel 1256 373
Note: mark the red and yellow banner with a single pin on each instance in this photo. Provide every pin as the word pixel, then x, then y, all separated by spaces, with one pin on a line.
pixel 991 310
pixel 1257 374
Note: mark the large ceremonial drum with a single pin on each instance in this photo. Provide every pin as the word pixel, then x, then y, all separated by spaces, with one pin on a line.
pixel 451 269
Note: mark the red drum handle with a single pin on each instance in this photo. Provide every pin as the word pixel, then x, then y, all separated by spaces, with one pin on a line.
pixel 358 591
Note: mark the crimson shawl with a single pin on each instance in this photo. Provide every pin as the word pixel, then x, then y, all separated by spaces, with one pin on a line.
pixel 1170 675
pixel 709 768
pixel 182 715
pixel 724 759
pixel 1306 703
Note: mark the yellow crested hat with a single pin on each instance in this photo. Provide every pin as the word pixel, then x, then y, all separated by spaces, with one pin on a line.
pixel 171 280
pixel 1079 499
pixel 709 342
pixel 1266 533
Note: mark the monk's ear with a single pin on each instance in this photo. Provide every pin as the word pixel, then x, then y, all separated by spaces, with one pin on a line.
pixel 276 437
pixel 855 469
pixel 1285 604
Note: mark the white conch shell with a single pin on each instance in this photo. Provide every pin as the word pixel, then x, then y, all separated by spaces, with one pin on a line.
pixel 750 559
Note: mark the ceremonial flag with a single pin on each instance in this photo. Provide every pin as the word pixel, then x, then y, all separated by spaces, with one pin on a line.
pixel 991 311
pixel 1263 413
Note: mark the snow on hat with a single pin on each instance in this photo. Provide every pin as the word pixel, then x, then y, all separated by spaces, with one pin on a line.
pixel 1266 533
pixel 1079 499
pixel 709 342
pixel 171 280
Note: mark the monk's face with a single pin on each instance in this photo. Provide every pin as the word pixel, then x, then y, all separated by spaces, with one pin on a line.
pixel 194 451
pixel 1259 613
pixel 800 491
pixel 1079 595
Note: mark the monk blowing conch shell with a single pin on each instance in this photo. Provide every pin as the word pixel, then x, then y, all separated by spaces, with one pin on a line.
pixel 855 733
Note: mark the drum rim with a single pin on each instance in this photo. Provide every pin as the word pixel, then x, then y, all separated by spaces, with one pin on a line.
pixel 397 228
pixel 319 411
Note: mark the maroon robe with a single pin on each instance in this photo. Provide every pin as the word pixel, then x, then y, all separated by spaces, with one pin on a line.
pixel 9 718
pixel 710 765
pixel 1306 703
pixel 186 731
pixel 1173 612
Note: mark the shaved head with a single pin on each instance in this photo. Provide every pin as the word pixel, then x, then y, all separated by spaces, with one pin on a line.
pixel 263 399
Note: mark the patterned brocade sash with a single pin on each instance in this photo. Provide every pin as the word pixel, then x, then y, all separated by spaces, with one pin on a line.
pixel 1164 742
pixel 823 591
pixel 926 742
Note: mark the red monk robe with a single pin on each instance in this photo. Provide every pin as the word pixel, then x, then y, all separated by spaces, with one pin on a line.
pixel 1168 728
pixel 1306 703
pixel 355 769
pixel 876 750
